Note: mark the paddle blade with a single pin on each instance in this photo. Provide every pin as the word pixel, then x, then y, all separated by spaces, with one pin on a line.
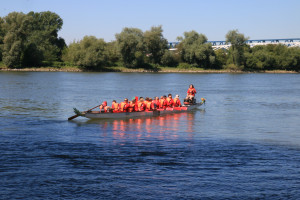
pixel 73 117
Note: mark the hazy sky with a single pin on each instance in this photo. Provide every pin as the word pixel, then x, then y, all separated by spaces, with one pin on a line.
pixel 257 19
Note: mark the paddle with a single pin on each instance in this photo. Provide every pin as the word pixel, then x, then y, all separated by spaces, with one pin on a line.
pixel 74 116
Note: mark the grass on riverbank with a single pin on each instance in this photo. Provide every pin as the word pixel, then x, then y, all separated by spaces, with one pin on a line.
pixel 60 66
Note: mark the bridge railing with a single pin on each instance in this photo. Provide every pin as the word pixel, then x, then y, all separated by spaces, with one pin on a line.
pixel 290 42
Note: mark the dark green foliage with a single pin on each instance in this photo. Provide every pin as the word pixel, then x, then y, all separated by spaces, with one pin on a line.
pixel 236 51
pixel 113 55
pixel 32 56
pixel 1 37
pixel 194 49
pixel 89 53
pixel 273 57
pixel 155 44
pixel 131 46
pixel 184 66
pixel 221 58
pixel 169 59
pixel 30 39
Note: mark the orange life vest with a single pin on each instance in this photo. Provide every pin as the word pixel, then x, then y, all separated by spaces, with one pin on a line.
pixel 161 103
pixel 176 102
pixel 191 91
pixel 115 106
pixel 148 105
pixel 121 107
pixel 131 106
pixel 103 106
pixel 140 105
pixel 170 101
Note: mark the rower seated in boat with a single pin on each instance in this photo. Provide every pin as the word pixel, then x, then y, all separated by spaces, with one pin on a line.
pixel 149 104
pixel 155 102
pixel 114 106
pixel 170 101
pixel 103 107
pixel 132 105
pixel 163 103
pixel 177 102
pixel 123 106
pixel 141 104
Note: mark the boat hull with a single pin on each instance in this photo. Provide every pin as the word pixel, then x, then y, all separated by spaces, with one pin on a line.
pixel 128 115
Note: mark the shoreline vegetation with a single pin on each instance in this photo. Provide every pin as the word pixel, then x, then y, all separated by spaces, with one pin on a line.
pixel 30 42
pixel 140 70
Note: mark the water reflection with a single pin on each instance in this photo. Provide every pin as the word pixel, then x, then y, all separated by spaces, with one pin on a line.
pixel 161 127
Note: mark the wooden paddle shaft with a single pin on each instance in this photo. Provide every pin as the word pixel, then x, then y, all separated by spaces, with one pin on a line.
pixel 74 116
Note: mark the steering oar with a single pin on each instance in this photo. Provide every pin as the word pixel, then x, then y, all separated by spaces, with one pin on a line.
pixel 74 116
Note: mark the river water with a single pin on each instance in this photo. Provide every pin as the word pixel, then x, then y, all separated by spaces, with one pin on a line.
pixel 244 143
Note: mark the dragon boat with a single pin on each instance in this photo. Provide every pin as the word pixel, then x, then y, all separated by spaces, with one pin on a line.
pixel 118 115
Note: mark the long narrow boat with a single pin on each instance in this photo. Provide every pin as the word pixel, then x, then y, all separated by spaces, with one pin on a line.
pixel 118 115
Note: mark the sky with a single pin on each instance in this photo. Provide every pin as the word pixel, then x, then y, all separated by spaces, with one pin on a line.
pixel 256 19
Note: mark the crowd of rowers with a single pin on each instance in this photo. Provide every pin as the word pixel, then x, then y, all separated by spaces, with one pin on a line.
pixel 147 104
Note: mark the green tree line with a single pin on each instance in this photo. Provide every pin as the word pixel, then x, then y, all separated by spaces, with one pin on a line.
pixel 31 40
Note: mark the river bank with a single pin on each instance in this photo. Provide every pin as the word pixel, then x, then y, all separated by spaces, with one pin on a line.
pixel 140 70
pixel 159 69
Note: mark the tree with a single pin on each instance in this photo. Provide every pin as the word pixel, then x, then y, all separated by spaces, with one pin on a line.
pixel 221 57
pixel 236 51
pixel 89 53
pixel 169 59
pixel 16 26
pixel 1 37
pixel 131 46
pixel 30 39
pixel 44 34
pixel 273 57
pixel 112 52
pixel 195 49
pixel 155 44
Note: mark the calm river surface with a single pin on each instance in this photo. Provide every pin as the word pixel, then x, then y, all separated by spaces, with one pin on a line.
pixel 243 144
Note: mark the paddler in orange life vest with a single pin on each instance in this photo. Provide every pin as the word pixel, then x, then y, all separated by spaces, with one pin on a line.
pixel 141 104
pixel 191 92
pixel 177 102
pixel 114 106
pixel 161 100
pixel 103 106
pixel 149 104
pixel 170 101
pixel 132 105
pixel 123 106
pixel 163 103
pixel 155 103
